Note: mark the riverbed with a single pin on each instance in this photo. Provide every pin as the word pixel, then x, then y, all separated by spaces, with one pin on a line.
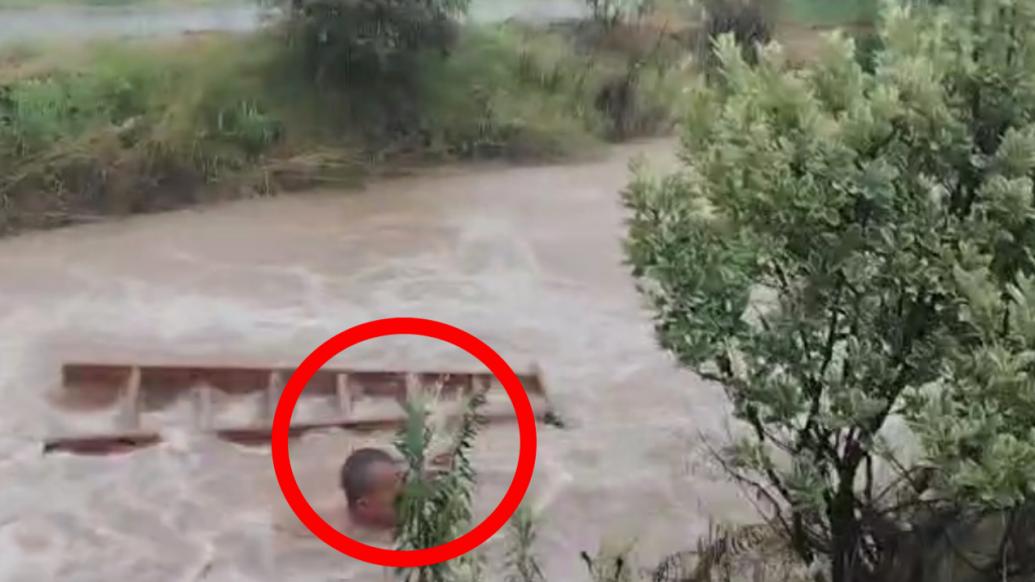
pixel 527 258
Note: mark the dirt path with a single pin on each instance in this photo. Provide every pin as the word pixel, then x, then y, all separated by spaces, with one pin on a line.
pixel 529 259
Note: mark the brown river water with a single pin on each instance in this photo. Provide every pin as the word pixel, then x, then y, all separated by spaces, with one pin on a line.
pixel 527 258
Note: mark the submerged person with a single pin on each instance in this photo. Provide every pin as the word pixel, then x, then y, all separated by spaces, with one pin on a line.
pixel 371 482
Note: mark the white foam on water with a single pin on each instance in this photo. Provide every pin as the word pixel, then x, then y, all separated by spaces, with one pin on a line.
pixel 311 408
pixel 370 408
pixel 528 259
pixel 237 410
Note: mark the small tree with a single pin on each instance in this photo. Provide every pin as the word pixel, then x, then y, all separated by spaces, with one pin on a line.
pixel 361 40
pixel 843 249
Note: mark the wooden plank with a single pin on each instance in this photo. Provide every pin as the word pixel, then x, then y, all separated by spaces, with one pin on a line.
pixel 94 374
pixel 203 407
pixel 102 444
pixel 413 385
pixel 245 378
pixel 131 401
pixel 260 434
pixel 273 390
pixel 344 395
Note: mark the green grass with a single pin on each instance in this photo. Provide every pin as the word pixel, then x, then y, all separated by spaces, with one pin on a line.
pixel 831 12
pixel 508 94
pixel 103 130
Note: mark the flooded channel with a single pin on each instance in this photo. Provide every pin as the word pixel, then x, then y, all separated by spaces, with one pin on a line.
pixel 529 259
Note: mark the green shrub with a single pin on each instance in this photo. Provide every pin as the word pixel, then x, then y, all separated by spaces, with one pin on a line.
pixel 847 250
pixel 751 23
pixel 501 94
pixel 610 13
pixel 247 126
pixel 437 509
pixel 868 45
pixel 362 40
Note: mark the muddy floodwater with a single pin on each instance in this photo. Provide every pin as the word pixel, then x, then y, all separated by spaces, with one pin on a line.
pixel 529 259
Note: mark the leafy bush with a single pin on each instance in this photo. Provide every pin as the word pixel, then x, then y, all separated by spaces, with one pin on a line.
pixel 247 126
pixel 505 94
pixel 848 250
pixel 349 40
pixel 868 45
pixel 610 13
pixel 750 22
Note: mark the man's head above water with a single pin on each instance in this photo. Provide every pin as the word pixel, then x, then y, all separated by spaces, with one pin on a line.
pixel 372 482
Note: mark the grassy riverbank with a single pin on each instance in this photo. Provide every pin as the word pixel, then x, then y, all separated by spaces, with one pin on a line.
pixel 126 126
pixel 123 127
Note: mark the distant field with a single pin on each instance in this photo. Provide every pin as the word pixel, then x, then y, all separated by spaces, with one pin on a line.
pixel 25 4
pixel 829 12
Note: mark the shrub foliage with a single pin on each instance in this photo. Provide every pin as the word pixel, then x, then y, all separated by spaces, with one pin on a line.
pixel 436 509
pixel 346 40
pixel 846 249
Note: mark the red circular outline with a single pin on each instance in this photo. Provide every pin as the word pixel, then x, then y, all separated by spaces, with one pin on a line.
pixel 404 326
